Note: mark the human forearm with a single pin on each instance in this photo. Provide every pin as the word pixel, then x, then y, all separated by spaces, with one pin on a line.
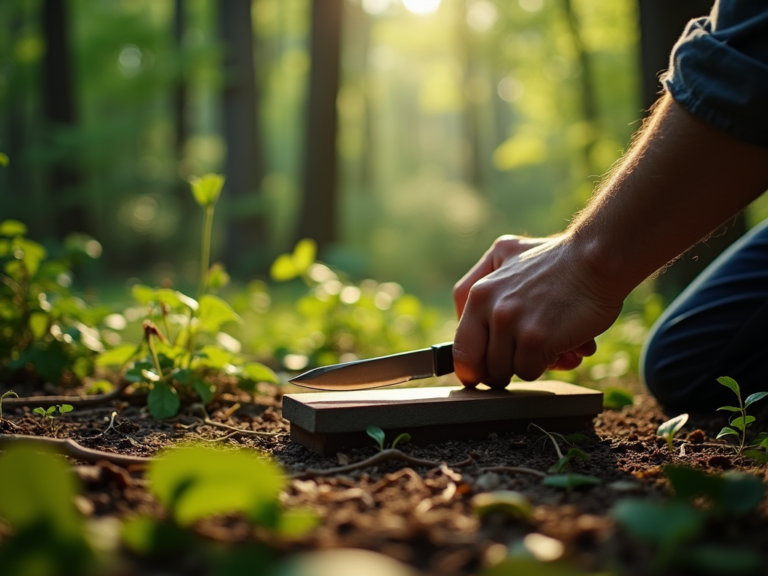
pixel 680 181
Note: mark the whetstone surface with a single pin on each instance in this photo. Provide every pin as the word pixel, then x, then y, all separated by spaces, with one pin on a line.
pixel 327 421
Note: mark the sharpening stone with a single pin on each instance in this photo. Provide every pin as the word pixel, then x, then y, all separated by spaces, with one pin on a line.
pixel 328 422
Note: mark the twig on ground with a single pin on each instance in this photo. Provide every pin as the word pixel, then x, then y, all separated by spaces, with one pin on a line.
pixel 383 456
pixel 514 470
pixel 207 420
pixel 71 448
pixel 75 401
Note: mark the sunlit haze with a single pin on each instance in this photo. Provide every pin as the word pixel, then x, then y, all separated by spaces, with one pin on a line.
pixel 422 6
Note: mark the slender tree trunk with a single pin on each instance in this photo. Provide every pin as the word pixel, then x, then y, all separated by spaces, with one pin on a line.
pixel 318 218
pixel 661 23
pixel 59 112
pixel 244 164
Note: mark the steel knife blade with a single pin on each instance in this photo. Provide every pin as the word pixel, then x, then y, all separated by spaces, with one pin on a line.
pixel 436 360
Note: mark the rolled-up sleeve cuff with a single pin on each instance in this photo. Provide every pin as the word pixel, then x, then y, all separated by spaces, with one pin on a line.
pixel 724 87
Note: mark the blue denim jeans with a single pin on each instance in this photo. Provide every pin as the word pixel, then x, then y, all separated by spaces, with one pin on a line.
pixel 717 327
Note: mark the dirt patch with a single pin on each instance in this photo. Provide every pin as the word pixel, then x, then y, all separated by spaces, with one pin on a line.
pixel 421 515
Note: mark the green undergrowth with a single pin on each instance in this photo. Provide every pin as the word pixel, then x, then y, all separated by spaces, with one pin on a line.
pixel 43 534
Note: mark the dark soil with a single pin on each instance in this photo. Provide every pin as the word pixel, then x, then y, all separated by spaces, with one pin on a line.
pixel 422 516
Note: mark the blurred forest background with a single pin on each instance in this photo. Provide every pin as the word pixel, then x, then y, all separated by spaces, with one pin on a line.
pixel 402 135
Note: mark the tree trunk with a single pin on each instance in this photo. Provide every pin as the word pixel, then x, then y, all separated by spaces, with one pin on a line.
pixel 244 164
pixel 661 23
pixel 318 219
pixel 63 178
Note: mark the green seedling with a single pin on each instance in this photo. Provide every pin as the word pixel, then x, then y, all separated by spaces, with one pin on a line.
pixel 562 475
pixel 617 398
pixel 50 416
pixel 505 502
pixel 668 429
pixel 741 420
pixel 378 435
pixel 10 392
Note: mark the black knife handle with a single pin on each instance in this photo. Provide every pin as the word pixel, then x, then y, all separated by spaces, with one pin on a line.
pixel 443 358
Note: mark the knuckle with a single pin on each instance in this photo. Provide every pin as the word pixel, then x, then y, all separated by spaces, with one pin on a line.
pixel 504 317
pixel 533 336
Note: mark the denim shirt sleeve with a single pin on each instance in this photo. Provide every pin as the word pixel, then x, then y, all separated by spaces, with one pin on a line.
pixel 719 69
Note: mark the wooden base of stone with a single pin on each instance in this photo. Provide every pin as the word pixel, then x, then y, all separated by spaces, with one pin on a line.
pixel 328 422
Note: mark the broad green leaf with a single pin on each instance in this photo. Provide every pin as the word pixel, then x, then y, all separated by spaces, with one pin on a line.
pixel 283 269
pixel 33 254
pixel 727 432
pixel 169 297
pixel 214 312
pixel 574 438
pixel 741 493
pixel 752 398
pixel 163 401
pixel 181 375
pixel 134 373
pixel 729 409
pixel 37 488
pixel 205 390
pixel 143 294
pixel 671 427
pixel 257 372
pixel 64 408
pixel 207 189
pixel 508 502
pixel 213 357
pixel 147 536
pixel 377 434
pixel 304 255
pixel 404 437
pixel 50 410
pixel 197 482
pixel 730 383
pixel 741 423
pixel 689 483
pixel 4 160
pixel 117 356
pixel 12 228
pixel 38 324
pixel 100 387
pixel 760 438
pixel 667 524
pixel 570 481
pixel 617 398
pixel 39 411
pixel 758 455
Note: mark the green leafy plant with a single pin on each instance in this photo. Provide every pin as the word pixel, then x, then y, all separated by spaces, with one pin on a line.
pixel 740 420
pixel 672 527
pixel 380 438
pixel 184 352
pixel 668 429
pixel 37 492
pixel 47 332
pixel 51 417
pixel 5 395
pixel 506 502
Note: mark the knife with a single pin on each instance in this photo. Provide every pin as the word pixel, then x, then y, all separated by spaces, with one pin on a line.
pixel 383 371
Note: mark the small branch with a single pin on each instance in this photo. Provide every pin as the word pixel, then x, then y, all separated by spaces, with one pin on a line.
pixel 75 401
pixel 71 448
pixel 383 456
pixel 207 420
pixel 514 470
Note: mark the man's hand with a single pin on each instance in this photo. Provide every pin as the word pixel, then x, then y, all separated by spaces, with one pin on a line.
pixel 526 306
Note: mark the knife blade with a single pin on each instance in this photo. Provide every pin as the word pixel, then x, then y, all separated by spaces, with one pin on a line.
pixel 436 360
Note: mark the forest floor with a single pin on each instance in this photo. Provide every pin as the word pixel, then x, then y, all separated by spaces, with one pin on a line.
pixel 421 516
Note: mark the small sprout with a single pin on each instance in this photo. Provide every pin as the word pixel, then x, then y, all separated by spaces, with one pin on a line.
pixel 668 429
pixel 377 434
pixel 508 502
pixel 49 415
pixel 404 437
pixel 741 420
pixel 564 463
pixel 3 398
